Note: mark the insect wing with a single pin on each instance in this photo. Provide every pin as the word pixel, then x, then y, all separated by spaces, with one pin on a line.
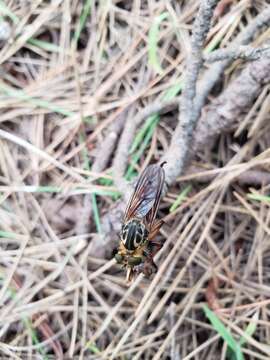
pixel 146 195
pixel 151 215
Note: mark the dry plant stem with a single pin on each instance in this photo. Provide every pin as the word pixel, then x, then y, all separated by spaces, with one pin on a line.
pixel 107 147
pixel 224 111
pixel 188 115
pixel 43 327
pixel 237 52
pixel 100 163
pixel 5 31
pixel 250 177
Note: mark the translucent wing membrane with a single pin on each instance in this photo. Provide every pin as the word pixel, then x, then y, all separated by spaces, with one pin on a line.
pixel 146 196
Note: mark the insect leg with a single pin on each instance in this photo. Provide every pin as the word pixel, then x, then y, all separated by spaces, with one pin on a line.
pixel 155 229
pixel 149 267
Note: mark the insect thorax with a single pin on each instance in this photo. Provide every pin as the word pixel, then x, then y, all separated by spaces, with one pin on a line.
pixel 133 234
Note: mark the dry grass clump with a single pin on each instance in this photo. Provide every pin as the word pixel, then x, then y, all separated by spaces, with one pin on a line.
pixel 73 75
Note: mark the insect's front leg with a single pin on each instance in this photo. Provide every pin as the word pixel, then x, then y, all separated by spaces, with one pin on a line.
pixel 155 245
pixel 148 266
pixel 155 230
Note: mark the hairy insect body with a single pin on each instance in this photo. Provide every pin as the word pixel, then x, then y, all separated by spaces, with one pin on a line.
pixel 134 233
pixel 137 244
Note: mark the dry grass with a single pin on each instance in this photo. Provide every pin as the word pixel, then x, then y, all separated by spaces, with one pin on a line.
pixel 69 68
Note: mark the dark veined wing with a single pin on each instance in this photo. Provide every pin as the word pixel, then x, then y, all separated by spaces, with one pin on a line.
pixel 151 215
pixel 146 196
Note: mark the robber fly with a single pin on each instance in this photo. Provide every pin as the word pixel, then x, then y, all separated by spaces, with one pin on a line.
pixel 140 227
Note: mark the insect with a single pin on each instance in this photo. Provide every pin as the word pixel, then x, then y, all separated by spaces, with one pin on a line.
pixel 137 238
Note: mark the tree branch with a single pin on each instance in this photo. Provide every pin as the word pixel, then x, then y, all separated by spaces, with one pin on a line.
pixel 225 110
pixel 212 75
pixel 176 155
pixel 237 52
pixel 108 145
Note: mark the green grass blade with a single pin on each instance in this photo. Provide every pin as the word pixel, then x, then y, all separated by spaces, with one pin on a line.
pixel 250 329
pixel 135 158
pixel 153 43
pixel 28 325
pixel 108 183
pixel 87 166
pixel 141 133
pixel 93 348
pixel 169 95
pixel 223 332
pixel 55 189
pixel 8 234
pixel 105 181
pixel 5 11
pixel 20 95
pixel 96 213
pixel 239 354
pixel 214 43
pixel 182 196
pixel 173 91
pixel 259 197
pixel 45 45
pixel 34 337
pixel 82 21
